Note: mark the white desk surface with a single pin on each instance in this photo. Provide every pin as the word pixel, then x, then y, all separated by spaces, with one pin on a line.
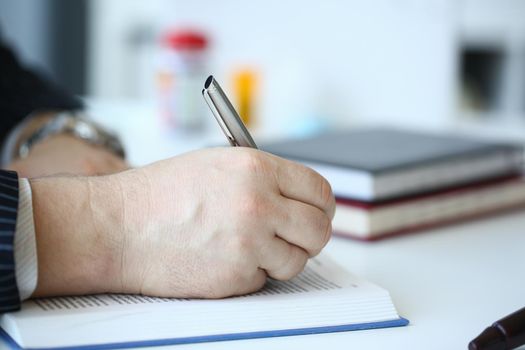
pixel 450 282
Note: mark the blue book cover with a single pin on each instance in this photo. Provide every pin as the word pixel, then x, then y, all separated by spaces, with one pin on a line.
pixel 220 337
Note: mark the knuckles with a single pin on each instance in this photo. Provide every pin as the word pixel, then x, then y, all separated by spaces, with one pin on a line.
pixel 318 228
pixel 327 196
pixel 251 161
pixel 252 206
pixel 326 231
pixel 323 232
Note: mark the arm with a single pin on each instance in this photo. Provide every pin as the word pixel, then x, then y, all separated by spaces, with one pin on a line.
pixel 211 224
pixel 24 92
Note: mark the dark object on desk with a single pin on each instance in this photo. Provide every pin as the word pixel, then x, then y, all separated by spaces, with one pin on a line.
pixel 380 164
pixel 505 334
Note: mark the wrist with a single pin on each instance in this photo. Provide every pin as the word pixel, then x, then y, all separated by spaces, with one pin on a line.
pixel 39 127
pixel 131 217
pixel 107 216
pixel 32 123
pixel 77 235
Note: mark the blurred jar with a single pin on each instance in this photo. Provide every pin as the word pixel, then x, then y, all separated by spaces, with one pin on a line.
pixel 181 74
pixel 246 90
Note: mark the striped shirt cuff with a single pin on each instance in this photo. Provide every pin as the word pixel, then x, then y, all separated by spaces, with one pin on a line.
pixel 26 265
pixel 9 297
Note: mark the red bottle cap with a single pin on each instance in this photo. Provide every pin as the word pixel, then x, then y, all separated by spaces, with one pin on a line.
pixel 185 40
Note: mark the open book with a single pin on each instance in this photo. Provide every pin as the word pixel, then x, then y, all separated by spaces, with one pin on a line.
pixel 323 298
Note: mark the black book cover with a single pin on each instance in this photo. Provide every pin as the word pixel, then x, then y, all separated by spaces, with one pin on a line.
pixel 384 150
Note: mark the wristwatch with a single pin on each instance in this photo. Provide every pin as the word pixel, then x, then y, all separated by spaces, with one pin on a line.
pixel 68 122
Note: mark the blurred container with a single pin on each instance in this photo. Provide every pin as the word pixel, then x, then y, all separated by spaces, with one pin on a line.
pixel 181 74
pixel 245 87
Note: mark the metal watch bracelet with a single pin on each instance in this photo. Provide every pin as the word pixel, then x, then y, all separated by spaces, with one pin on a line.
pixel 75 124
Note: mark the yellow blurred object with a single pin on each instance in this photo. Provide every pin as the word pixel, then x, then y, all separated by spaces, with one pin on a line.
pixel 245 85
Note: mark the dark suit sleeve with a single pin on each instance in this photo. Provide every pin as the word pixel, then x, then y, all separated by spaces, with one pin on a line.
pixel 23 91
pixel 9 297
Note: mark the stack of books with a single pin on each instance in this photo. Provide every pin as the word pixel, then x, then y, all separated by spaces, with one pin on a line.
pixel 388 181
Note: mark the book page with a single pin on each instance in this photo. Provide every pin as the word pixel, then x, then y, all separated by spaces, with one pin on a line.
pixel 319 275
pixel 323 294
pixel 308 281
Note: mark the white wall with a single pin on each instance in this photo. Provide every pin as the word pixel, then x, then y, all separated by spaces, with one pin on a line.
pixel 346 61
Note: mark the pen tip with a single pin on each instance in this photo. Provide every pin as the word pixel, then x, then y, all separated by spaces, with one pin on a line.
pixel 208 82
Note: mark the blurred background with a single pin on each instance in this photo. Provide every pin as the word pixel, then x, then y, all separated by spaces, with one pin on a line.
pixel 293 67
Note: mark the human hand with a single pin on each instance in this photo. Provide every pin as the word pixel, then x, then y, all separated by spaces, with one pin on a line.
pixel 212 223
pixel 216 222
pixel 65 154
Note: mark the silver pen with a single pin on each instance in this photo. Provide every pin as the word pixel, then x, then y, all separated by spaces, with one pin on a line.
pixel 227 117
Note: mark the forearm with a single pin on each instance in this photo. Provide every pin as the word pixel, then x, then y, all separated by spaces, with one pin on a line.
pixel 76 225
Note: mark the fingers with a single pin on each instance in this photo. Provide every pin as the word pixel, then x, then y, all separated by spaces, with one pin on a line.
pixel 255 283
pixel 282 260
pixel 301 183
pixel 304 226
